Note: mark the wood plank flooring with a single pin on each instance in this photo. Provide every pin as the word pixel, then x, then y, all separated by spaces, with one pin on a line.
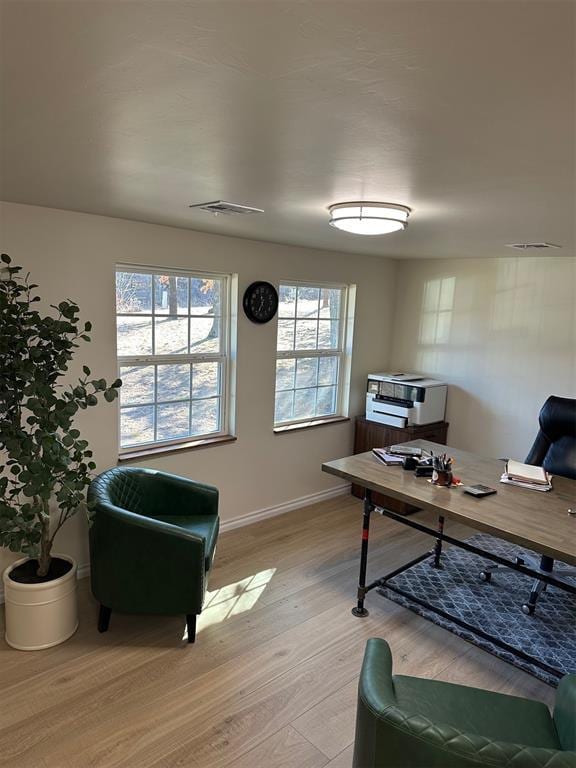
pixel 271 681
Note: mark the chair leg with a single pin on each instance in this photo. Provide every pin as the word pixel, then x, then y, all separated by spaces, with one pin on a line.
pixel 486 573
pixel 104 618
pixel 191 626
pixel 538 586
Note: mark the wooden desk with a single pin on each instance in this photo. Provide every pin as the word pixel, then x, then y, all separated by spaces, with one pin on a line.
pixel 537 521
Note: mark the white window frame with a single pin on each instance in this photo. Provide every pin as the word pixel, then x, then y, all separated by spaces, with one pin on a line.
pixel 224 357
pixel 343 352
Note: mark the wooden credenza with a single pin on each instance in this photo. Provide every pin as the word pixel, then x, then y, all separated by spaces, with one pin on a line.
pixel 371 434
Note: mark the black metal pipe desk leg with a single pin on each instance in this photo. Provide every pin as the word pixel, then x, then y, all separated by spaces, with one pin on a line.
pixel 436 563
pixel 359 609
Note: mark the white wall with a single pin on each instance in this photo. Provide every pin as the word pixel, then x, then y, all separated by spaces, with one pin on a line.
pixel 502 334
pixel 73 255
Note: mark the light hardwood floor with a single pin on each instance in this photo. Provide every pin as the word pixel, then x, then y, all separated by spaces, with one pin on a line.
pixel 271 681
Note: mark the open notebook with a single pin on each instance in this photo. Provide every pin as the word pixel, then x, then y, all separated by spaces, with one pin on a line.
pixel 526 476
pixel 526 472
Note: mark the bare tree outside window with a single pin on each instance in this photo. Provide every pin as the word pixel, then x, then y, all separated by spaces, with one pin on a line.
pixel 173 354
pixel 310 352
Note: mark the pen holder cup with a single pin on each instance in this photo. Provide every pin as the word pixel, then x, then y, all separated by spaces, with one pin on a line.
pixel 442 477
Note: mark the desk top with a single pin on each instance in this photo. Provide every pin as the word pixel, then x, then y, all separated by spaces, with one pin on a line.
pixel 532 519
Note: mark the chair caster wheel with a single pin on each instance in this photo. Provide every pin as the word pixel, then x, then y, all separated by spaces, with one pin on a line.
pixel 528 609
pixel 485 576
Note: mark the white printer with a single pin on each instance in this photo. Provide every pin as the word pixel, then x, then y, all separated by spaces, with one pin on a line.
pixel 404 399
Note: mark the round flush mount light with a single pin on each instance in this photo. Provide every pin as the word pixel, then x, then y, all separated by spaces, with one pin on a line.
pixel 361 218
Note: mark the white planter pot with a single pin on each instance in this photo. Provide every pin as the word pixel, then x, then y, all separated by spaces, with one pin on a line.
pixel 40 615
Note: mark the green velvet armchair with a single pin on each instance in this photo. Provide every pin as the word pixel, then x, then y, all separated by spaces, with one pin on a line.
pixel 407 722
pixel 152 542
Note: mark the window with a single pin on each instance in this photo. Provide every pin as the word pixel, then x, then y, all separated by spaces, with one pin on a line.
pixel 173 343
pixel 312 353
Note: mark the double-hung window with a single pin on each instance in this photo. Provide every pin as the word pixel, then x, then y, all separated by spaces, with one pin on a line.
pixel 312 355
pixel 173 341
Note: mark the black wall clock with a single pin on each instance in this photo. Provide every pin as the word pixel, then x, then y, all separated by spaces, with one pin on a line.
pixel 260 302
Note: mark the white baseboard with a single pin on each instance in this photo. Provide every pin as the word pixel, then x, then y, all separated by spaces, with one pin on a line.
pixel 83 571
pixel 251 517
pixel 280 509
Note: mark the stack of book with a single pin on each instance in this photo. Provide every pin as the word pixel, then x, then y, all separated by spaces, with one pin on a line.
pixel 526 476
pixel 387 458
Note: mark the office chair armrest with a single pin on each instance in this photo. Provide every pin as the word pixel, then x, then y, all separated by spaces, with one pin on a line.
pixel 565 712
pixel 539 450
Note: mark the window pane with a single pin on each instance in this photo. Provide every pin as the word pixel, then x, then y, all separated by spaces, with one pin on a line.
pixel 133 293
pixel 172 421
pixel 205 296
pixel 205 379
pixel 205 416
pixel 307 301
pixel 285 334
pixel 330 302
pixel 137 384
pixel 136 425
pixel 304 403
pixel 306 332
pixel 309 319
pixel 171 336
pixel 204 334
pixel 134 335
pixel 160 315
pixel 170 295
pixel 306 372
pixel 328 370
pixel 328 333
pixel 326 401
pixel 173 382
pixel 283 406
pixel 287 301
pixel 285 374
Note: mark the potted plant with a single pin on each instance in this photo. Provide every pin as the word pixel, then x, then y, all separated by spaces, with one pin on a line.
pixel 45 465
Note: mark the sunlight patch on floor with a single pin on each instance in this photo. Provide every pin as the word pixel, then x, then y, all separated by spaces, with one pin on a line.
pixel 232 599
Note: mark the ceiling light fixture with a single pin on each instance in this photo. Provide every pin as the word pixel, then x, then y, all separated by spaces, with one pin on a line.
pixel 362 218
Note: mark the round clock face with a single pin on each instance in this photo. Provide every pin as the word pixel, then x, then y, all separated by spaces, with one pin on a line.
pixel 260 302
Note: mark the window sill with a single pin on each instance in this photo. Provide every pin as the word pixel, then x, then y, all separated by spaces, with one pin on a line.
pixel 310 424
pixel 156 450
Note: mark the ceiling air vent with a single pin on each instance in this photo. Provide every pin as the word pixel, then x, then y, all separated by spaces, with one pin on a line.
pixel 531 246
pixel 226 209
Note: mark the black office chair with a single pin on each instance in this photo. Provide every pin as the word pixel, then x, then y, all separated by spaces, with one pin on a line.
pixel 555 450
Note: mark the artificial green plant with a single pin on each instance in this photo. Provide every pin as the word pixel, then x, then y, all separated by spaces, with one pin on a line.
pixel 45 465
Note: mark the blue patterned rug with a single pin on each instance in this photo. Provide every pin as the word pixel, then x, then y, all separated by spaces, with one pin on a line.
pixel 549 635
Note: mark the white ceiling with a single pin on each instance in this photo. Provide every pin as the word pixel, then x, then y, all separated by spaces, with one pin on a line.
pixel 463 110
